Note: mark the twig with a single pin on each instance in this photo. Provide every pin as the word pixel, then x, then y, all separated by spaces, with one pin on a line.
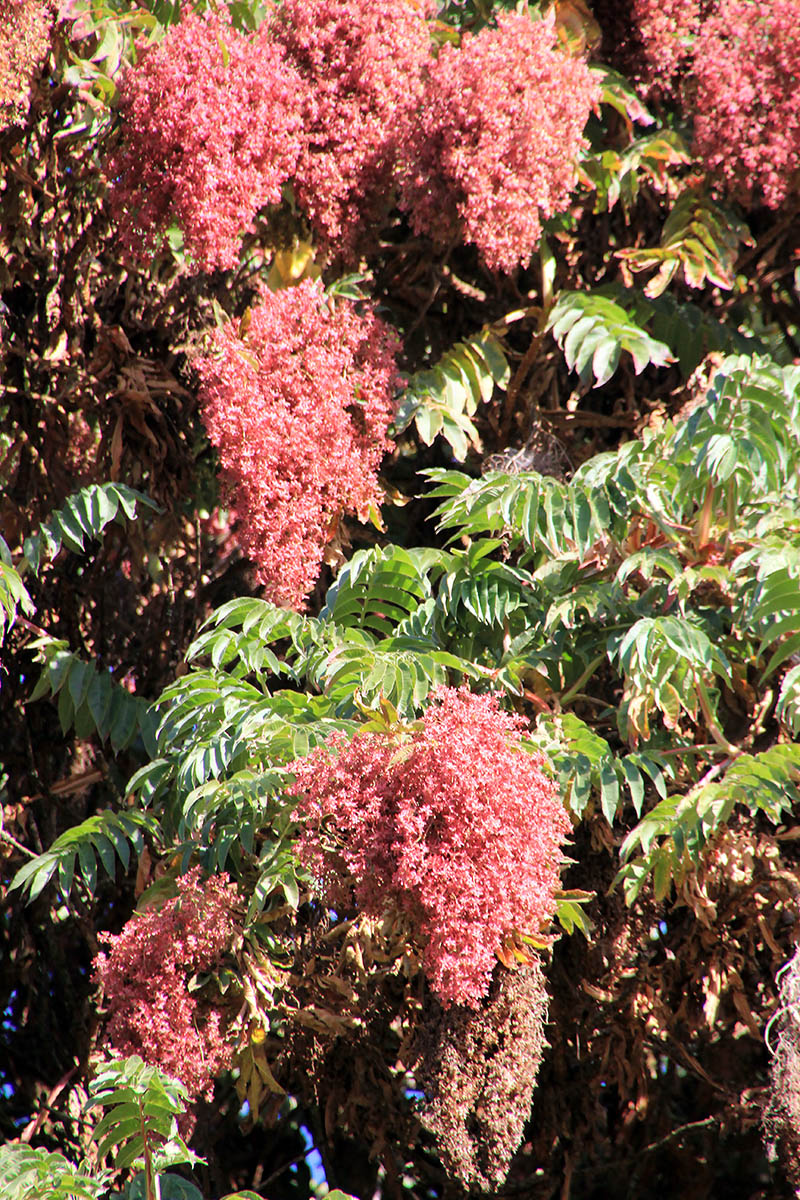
pixel 433 293
pixel 460 285
pixel 517 382
pixel 75 783
pixel 17 845
pixel 567 1184
pixel 675 1133
pixel 713 727
pixel 582 679
pixel 286 1167
pixel 35 1125
pixel 615 421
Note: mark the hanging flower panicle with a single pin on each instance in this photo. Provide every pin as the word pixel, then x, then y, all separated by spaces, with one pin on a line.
pixel 298 409
pixel 361 63
pixel 459 827
pixel 211 127
pixel 747 124
pixel 493 150
pixel 145 973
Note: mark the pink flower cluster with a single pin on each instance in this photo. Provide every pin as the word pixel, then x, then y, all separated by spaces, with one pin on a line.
pixel 494 145
pixel 361 63
pixel 144 976
pixel 215 122
pixel 298 409
pixel 650 40
pixel 459 827
pixel 747 72
pixel 211 123
pixel 735 64
pixel 25 27
pixel 668 29
pixel 341 97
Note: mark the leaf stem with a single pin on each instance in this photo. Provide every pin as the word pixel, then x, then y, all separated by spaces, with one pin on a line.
pixel 17 845
pixel 151 1181
pixel 581 680
pixel 713 727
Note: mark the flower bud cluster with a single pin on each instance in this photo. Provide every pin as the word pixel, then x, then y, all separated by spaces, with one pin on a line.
pixel 361 65
pixel 25 27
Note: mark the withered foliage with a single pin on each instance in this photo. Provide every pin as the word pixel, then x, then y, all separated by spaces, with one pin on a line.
pixel 662 1016
pixel 782 1113
pixel 348 1007
pixel 362 1038
pixel 94 387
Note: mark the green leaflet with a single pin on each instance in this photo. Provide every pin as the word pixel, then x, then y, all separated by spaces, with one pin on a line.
pixel 376 590
pixel 171 1187
pixel 593 331
pixel 585 765
pixel 553 518
pixel 699 239
pixel 82 517
pixel 90 700
pixel 669 840
pixel 617 175
pixel 36 1174
pixel 742 439
pixel 443 399
pixel 618 93
pixel 13 593
pixel 142 1105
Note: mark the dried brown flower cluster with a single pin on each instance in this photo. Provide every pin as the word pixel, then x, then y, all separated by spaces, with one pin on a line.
pixel 782 1115
pixel 478 1070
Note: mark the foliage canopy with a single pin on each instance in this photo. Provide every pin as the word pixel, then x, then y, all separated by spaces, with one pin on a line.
pixel 400 469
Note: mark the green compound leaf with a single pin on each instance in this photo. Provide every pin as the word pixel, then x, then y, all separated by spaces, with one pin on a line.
pixel 107 836
pixel 444 398
pixel 37 1174
pixel 593 331
pixel 82 517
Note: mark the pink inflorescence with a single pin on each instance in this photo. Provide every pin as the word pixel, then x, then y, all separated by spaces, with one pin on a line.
pixel 651 40
pixel 667 29
pixel 459 827
pixel 493 148
pixel 298 410
pixel 25 27
pixel 210 134
pixel 747 70
pixel 145 974
pixel 361 62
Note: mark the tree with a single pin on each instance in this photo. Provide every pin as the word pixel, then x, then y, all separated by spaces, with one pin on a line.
pixel 400 599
